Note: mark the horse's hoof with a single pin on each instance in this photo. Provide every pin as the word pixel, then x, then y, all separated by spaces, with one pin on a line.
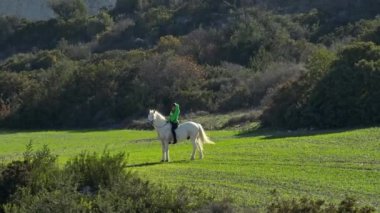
pixel 192 158
pixel 162 161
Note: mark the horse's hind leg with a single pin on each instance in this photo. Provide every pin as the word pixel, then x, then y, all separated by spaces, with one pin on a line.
pixel 194 149
pixel 200 149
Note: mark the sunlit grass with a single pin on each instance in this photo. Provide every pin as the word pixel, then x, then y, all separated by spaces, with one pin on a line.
pixel 246 168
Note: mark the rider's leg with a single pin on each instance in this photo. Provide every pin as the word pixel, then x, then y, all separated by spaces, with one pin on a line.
pixel 174 126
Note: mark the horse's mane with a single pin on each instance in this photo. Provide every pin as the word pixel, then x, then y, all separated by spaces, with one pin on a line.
pixel 159 115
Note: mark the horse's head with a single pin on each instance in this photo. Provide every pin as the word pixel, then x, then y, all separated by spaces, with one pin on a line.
pixel 151 116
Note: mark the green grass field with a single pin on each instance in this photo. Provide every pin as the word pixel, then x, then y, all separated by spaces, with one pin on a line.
pixel 246 168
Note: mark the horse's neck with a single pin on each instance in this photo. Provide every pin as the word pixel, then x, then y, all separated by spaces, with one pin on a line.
pixel 160 119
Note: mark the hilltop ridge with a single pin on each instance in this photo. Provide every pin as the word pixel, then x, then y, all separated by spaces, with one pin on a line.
pixel 39 9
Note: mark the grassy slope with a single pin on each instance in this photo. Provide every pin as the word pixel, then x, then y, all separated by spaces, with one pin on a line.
pixel 245 168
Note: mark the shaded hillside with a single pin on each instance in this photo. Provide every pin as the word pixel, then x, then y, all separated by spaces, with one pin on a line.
pixel 81 69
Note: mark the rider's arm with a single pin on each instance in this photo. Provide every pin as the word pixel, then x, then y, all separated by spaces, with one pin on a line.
pixel 176 112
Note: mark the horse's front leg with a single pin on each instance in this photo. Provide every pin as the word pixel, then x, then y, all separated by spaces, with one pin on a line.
pixel 163 150
pixel 167 159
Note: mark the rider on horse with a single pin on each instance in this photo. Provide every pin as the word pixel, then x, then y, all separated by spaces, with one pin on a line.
pixel 173 119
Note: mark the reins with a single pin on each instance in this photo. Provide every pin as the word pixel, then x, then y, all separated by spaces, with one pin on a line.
pixel 160 126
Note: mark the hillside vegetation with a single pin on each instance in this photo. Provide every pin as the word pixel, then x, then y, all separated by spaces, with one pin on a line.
pixel 305 65
pixel 40 10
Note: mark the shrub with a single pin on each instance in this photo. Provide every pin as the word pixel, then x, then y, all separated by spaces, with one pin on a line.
pixel 224 206
pixel 136 195
pixel 125 7
pixel 202 45
pixel 44 169
pixel 69 8
pixel 74 52
pixel 36 172
pixel 334 93
pixel 168 77
pixel 242 119
pixel 167 43
pixel 348 94
pixel 88 182
pixel 28 62
pixel 93 172
pixel 317 206
pixel 62 199
pixel 283 104
pixel 8 27
pixel 16 174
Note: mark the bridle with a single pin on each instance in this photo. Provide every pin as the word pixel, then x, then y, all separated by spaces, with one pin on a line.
pixel 157 127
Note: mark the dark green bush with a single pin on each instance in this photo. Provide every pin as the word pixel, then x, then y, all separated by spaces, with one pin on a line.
pixel 62 199
pixel 9 25
pixel 28 62
pixel 317 206
pixel 16 174
pixel 349 94
pixel 44 169
pixel 135 195
pixel 68 9
pixel 125 7
pixel 334 93
pixel 36 172
pixel 93 172
pixel 89 182
pixel 224 206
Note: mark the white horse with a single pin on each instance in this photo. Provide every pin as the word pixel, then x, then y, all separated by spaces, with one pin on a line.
pixel 188 130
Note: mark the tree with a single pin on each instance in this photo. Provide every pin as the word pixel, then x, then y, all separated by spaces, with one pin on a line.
pixel 348 95
pixel 8 26
pixel 127 6
pixel 168 78
pixel 68 9
pixel 335 93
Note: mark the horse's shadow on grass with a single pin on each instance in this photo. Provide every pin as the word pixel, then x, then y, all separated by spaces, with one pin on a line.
pixel 275 134
pixel 156 163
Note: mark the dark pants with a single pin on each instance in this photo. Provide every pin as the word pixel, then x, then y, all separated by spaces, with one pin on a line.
pixel 174 126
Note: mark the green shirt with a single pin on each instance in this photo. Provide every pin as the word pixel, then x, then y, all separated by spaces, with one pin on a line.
pixel 174 115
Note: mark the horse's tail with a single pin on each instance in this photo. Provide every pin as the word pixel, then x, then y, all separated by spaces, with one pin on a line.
pixel 203 137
